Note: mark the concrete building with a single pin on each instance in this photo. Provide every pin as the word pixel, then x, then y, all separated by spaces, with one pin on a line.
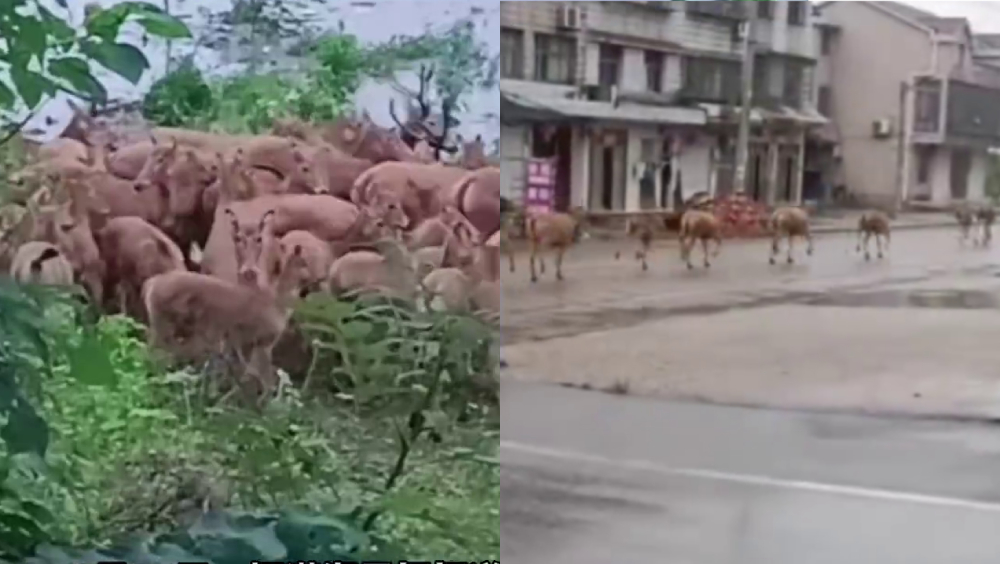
pixel 915 112
pixel 638 101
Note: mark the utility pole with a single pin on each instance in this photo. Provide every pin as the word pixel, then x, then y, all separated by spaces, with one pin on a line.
pixel 746 98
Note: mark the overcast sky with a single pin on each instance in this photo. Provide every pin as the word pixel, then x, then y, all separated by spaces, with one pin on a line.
pixel 984 16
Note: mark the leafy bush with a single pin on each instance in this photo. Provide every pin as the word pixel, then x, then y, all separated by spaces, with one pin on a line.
pixel 238 538
pixel 134 449
pixel 179 98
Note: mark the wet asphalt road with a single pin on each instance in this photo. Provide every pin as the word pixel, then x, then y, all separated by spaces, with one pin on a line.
pixel 602 293
pixel 589 477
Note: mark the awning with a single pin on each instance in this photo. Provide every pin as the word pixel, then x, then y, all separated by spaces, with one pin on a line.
pixel 806 116
pixel 715 112
pixel 522 107
pixel 761 115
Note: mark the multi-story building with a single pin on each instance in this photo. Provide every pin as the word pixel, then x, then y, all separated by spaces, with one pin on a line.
pixel 916 113
pixel 638 102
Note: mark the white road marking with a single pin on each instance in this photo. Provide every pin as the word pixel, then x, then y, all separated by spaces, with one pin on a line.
pixel 757 480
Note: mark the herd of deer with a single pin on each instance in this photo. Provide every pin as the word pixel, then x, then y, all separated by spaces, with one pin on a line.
pixel 559 231
pixel 210 238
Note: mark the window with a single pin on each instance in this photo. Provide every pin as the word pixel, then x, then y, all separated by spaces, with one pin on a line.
pixel 928 101
pixel 794 83
pixel 825 41
pixel 797 12
pixel 511 53
pixel 725 9
pixel 555 59
pixel 765 10
pixel 654 71
pixel 609 65
pixel 715 80
pixel 824 101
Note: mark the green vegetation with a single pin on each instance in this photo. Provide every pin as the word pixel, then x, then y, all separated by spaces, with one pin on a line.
pixel 336 66
pixel 382 447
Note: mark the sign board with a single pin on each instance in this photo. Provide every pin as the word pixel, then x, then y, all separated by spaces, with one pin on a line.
pixel 540 190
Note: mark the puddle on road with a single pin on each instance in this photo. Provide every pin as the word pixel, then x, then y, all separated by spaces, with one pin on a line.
pixel 567 323
pixel 939 299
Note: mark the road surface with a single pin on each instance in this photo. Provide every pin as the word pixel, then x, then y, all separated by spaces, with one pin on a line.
pixel 914 333
pixel 589 477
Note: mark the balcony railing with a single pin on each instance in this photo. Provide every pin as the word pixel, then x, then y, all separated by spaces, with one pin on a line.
pixel 724 9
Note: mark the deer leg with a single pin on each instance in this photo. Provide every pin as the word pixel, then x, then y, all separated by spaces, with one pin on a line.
pixel 868 254
pixel 643 251
pixel 531 262
pixel 791 245
pixel 559 259
pixel 718 245
pixel 861 236
pixel 809 242
pixel 510 257
pixel 775 247
pixel 704 252
pixel 878 245
pixel 686 245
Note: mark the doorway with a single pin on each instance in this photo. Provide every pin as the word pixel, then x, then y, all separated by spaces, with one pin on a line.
pixel 555 142
pixel 961 164
pixel 607 171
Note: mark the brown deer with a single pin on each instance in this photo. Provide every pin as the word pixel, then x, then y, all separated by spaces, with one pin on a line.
pixel 699 225
pixel 40 262
pixel 555 230
pixel 642 229
pixel 192 315
pixel 789 223
pixel 134 251
pixel 877 224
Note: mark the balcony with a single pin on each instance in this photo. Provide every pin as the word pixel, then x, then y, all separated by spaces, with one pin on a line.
pixel 971 112
pixel 727 10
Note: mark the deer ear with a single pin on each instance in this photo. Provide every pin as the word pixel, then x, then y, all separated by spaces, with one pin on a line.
pixel 232 219
pixel 479 138
pixel 266 221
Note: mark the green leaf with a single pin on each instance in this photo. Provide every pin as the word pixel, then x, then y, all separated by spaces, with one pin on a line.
pixel 7 96
pixel 166 26
pixel 30 85
pixel 106 23
pixel 89 362
pixel 56 26
pixel 32 36
pixel 76 72
pixel 123 59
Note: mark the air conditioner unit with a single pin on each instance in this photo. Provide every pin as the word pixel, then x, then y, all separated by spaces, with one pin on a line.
pixel 569 16
pixel 882 128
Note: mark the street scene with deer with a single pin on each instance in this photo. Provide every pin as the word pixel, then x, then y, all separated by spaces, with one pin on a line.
pixel 750 291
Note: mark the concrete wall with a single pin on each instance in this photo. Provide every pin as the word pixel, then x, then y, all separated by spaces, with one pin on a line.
pixel 695 165
pixel 514 150
pixel 977 176
pixel 620 18
pixel 940 177
pixel 869 77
